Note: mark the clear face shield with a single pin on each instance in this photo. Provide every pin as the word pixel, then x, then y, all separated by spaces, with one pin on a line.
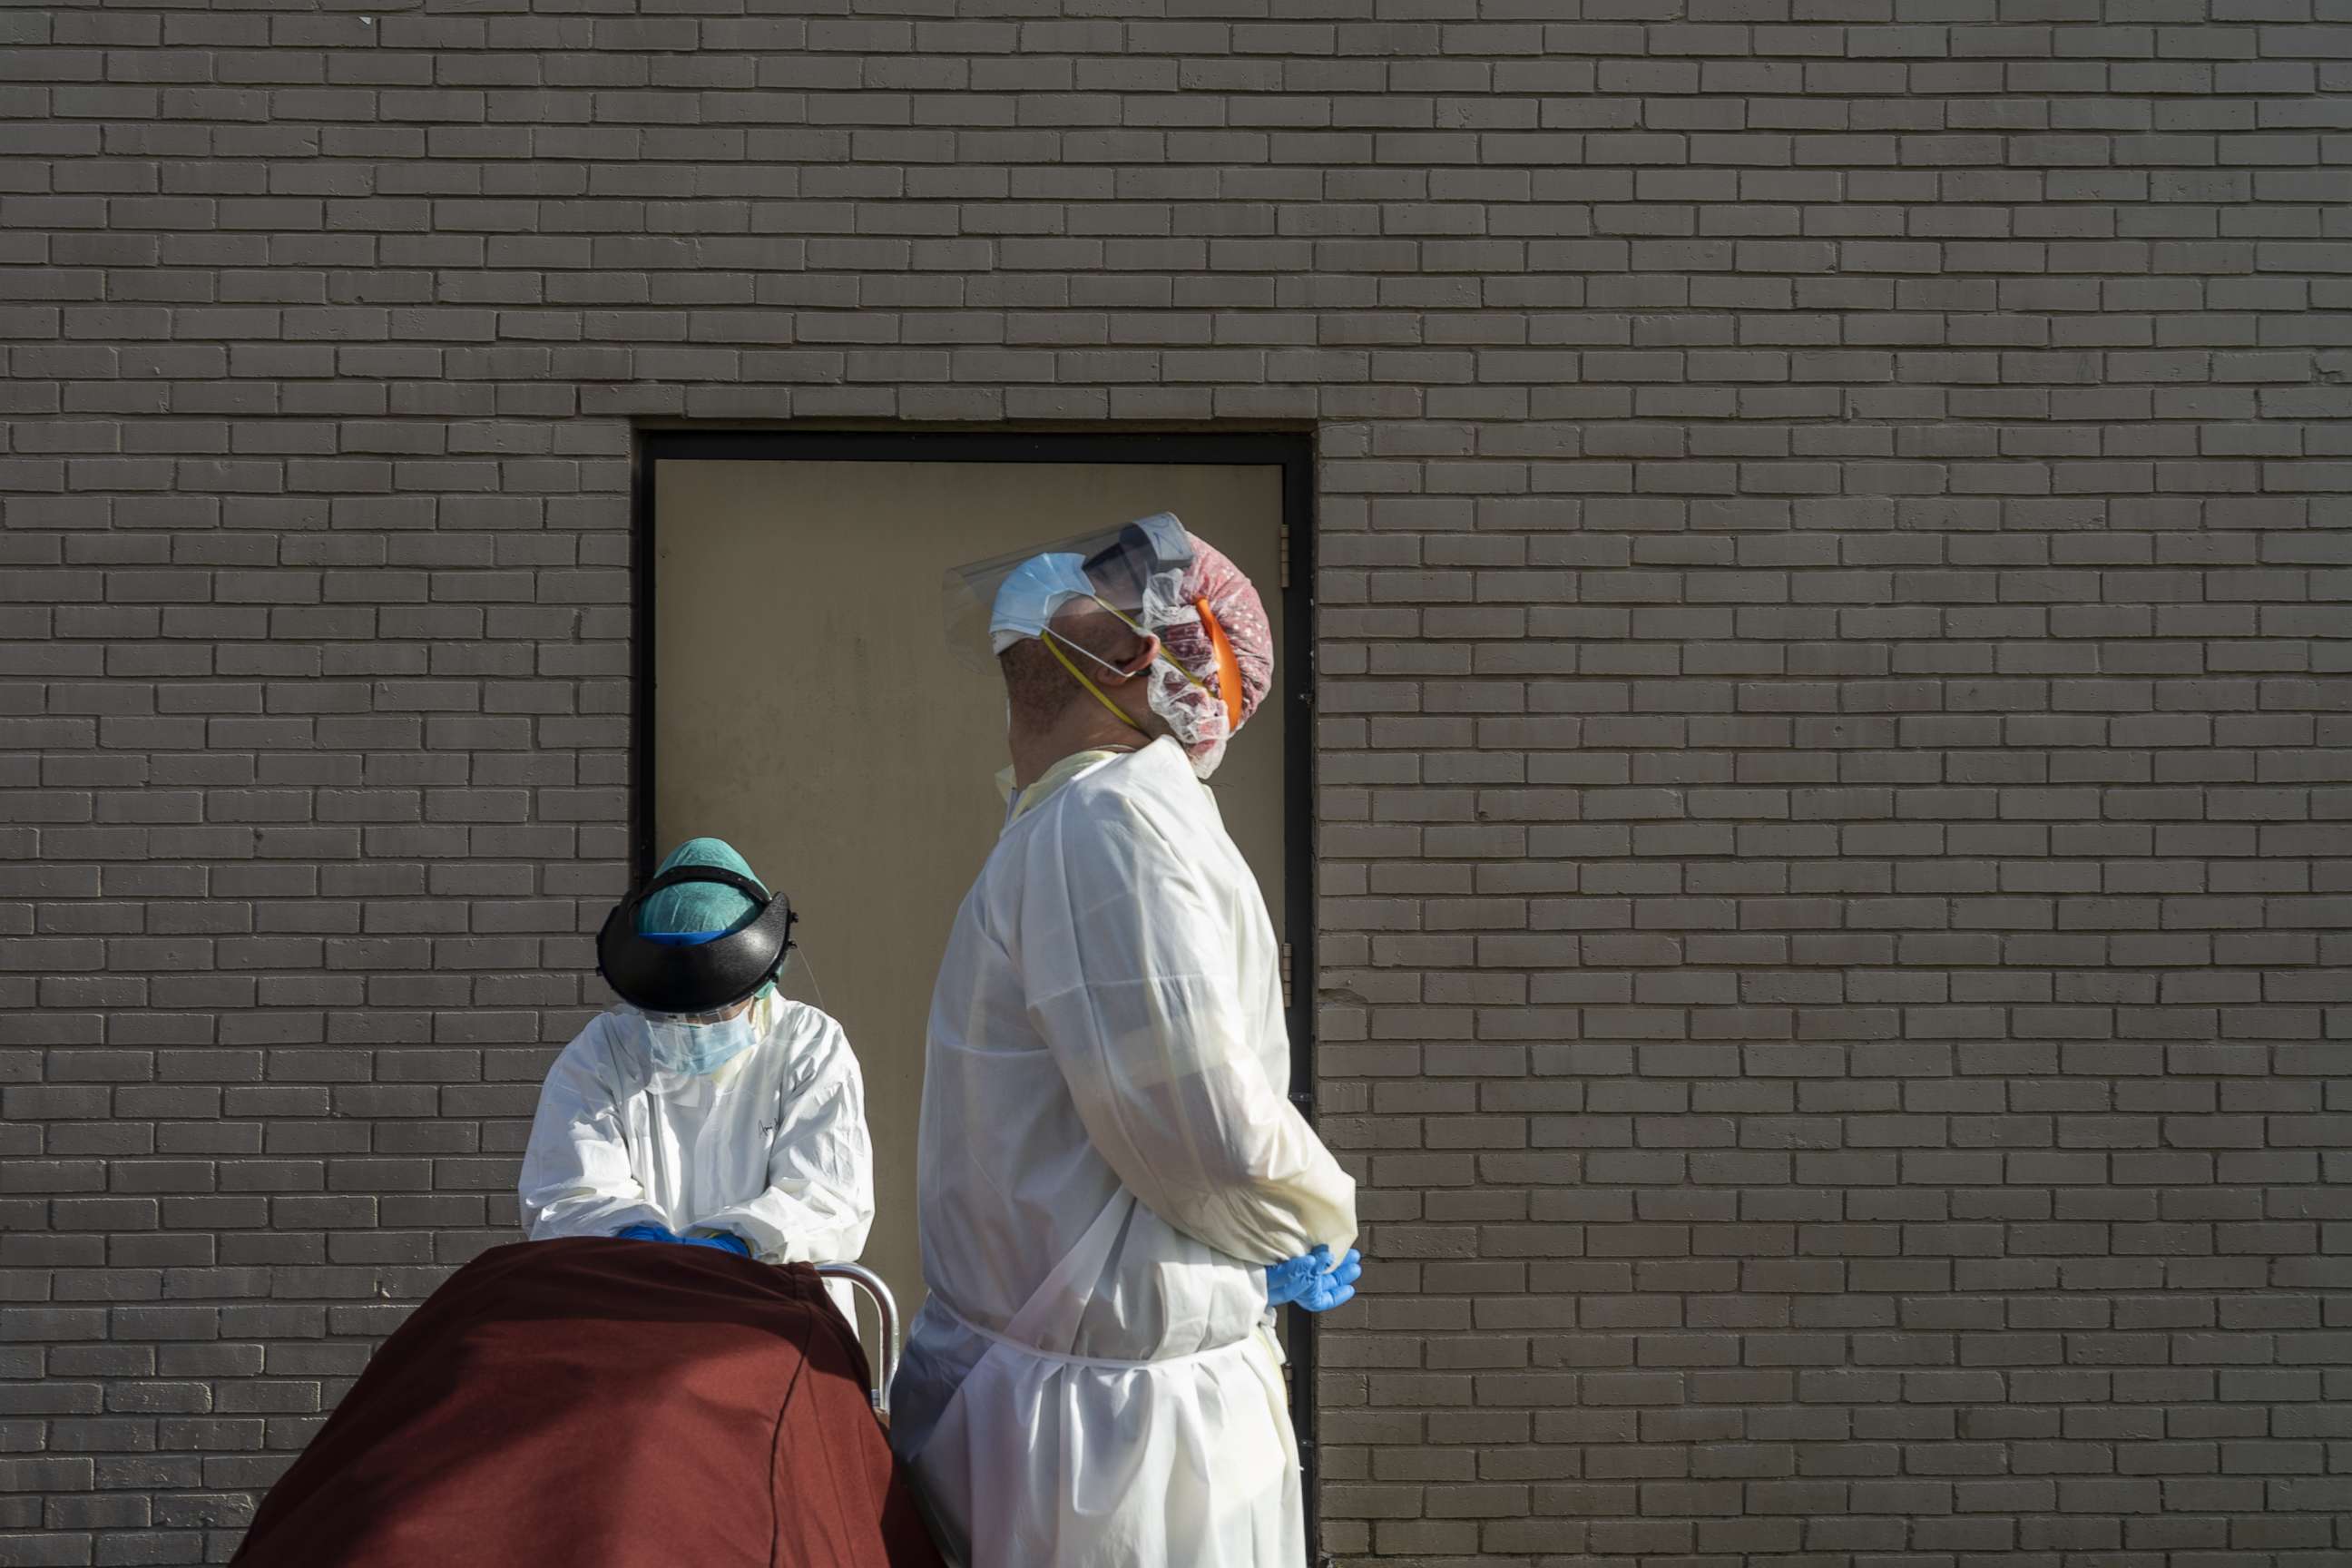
pixel 1136 571
pixel 703 1042
pixel 1090 598
pixel 699 994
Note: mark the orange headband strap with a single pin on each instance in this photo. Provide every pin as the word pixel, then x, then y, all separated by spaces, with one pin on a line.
pixel 1229 669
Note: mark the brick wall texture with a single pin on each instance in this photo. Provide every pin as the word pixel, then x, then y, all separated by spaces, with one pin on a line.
pixel 1834 745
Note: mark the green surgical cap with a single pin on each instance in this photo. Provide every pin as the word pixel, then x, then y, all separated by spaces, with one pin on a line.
pixel 694 908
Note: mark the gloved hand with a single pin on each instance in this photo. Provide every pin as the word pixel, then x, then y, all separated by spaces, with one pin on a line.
pixel 1314 1282
pixel 725 1241
pixel 1334 1288
pixel 1285 1282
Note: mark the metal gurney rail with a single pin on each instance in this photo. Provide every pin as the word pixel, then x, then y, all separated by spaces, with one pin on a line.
pixel 886 1315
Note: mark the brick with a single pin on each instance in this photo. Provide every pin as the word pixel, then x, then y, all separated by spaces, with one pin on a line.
pixel 1831 650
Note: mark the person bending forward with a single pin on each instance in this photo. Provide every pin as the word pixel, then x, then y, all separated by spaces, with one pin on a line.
pixel 740 1126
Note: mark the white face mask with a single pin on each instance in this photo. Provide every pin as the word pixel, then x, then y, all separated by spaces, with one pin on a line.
pixel 1035 592
pixel 677 1046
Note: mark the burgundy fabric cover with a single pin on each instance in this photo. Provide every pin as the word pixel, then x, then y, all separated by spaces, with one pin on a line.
pixel 604 1404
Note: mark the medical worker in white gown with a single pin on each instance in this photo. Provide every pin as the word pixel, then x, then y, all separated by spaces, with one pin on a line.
pixel 1115 1187
pixel 725 1121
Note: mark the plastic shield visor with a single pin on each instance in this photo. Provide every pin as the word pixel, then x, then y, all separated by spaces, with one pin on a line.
pixel 1135 570
pixel 703 979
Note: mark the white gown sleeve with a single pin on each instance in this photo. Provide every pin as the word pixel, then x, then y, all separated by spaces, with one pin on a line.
pixel 819 1203
pixel 1127 952
pixel 576 1176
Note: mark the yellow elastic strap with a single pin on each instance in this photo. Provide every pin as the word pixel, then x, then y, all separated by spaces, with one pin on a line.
pixel 1054 646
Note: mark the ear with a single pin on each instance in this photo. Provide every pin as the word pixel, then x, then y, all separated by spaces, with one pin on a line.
pixel 1146 652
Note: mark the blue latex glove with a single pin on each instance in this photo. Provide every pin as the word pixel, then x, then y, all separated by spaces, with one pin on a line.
pixel 1334 1288
pixel 1314 1283
pixel 725 1241
pixel 1285 1282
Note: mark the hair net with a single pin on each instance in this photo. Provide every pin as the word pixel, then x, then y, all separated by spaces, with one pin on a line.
pixel 1198 715
pixel 698 910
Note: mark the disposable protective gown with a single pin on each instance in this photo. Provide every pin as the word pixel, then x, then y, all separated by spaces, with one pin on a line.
pixel 1109 1162
pixel 773 1146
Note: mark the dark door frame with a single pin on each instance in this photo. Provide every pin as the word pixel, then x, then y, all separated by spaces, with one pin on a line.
pixel 1294 454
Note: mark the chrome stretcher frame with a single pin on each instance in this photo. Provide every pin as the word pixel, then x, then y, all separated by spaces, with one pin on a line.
pixel 886 1315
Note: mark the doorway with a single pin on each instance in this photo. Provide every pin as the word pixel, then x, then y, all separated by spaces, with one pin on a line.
pixel 795 695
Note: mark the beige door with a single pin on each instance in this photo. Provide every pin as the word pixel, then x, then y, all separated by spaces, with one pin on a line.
pixel 806 709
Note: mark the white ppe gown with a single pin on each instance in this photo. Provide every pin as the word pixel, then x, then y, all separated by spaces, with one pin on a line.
pixel 1108 1161
pixel 772 1146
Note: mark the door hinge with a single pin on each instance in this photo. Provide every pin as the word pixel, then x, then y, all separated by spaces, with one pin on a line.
pixel 1285 976
pixel 1285 557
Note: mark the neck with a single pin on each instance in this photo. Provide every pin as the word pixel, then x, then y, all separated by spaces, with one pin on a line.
pixel 1035 750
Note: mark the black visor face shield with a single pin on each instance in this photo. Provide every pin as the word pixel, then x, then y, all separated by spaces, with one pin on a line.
pixel 692 979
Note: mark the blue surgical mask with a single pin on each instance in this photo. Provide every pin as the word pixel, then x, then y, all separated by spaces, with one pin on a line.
pixel 1035 592
pixel 680 1046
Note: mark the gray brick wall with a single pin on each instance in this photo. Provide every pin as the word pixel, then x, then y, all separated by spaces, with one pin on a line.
pixel 1834 732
